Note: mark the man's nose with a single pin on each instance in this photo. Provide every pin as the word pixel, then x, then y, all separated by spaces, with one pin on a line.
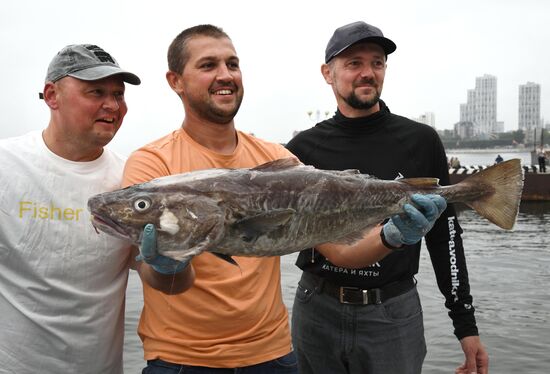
pixel 367 71
pixel 223 73
pixel 111 102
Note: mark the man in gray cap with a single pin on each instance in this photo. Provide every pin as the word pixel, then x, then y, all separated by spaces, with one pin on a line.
pixel 62 286
pixel 352 318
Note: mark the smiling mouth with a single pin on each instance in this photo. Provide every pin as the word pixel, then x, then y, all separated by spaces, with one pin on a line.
pixel 370 86
pixel 110 121
pixel 223 92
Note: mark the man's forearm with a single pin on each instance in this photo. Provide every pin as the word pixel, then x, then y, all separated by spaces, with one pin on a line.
pixel 363 253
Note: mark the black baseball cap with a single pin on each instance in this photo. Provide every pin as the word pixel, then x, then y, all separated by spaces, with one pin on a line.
pixel 345 36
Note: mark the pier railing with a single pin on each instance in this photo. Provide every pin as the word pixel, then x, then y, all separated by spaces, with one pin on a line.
pixel 471 169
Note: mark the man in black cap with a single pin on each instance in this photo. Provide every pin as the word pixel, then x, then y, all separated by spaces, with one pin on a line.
pixel 352 319
pixel 62 286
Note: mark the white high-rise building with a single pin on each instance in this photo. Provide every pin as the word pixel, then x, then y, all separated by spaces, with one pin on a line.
pixel 427 118
pixel 467 111
pixel 529 107
pixel 481 106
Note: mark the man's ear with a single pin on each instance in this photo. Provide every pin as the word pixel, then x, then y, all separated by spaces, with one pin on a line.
pixel 175 81
pixel 50 93
pixel 325 70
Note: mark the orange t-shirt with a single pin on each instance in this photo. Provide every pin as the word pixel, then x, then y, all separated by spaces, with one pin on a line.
pixel 231 316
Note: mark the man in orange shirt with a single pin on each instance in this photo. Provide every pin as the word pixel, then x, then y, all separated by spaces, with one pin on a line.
pixel 229 317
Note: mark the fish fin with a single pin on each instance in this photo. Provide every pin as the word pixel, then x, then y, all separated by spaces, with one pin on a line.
pixel 421 182
pixel 226 258
pixel 253 227
pixel 502 205
pixel 283 163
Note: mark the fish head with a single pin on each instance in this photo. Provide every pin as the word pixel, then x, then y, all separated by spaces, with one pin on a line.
pixel 186 223
pixel 123 213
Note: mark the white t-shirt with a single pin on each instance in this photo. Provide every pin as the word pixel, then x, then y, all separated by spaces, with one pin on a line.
pixel 62 285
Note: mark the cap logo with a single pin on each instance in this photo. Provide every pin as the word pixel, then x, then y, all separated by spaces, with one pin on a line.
pixel 100 54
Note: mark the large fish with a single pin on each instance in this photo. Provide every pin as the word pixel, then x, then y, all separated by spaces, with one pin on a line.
pixel 282 206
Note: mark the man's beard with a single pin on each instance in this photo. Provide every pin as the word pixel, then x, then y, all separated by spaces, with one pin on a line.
pixel 213 113
pixel 218 115
pixel 353 101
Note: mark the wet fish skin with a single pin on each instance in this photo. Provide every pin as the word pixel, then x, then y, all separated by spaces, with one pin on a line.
pixel 283 207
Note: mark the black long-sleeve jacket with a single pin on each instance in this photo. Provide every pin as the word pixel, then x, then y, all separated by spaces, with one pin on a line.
pixel 386 146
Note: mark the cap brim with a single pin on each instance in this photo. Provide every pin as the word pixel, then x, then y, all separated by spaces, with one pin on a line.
pixel 387 45
pixel 100 72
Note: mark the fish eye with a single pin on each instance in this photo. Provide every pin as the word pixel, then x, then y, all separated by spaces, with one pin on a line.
pixel 142 204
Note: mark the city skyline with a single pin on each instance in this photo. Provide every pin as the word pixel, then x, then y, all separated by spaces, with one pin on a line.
pixel 478 115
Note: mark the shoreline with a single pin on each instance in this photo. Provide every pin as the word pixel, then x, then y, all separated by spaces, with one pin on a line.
pixel 488 150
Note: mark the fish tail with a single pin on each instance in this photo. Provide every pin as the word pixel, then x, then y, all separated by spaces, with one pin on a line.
pixel 501 205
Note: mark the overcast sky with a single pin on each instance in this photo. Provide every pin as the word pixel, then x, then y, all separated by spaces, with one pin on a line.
pixel 442 46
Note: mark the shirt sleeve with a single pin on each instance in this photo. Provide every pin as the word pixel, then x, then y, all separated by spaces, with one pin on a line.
pixel 446 250
pixel 143 165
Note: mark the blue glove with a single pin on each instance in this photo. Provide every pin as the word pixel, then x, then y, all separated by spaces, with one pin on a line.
pixel 411 227
pixel 148 253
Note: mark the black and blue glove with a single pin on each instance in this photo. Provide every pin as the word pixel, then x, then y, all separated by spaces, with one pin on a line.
pixel 409 228
pixel 148 252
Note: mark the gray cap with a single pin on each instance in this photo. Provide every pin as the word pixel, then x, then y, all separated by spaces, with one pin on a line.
pixel 87 62
pixel 345 36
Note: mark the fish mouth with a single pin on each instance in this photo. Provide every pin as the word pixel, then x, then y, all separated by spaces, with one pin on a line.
pixel 109 226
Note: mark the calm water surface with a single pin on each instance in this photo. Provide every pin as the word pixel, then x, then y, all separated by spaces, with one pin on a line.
pixel 509 275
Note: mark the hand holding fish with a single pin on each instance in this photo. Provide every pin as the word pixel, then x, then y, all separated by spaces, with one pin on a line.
pixel 148 253
pixel 410 228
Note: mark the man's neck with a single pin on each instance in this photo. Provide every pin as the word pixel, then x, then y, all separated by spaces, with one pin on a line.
pixel 66 149
pixel 219 138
